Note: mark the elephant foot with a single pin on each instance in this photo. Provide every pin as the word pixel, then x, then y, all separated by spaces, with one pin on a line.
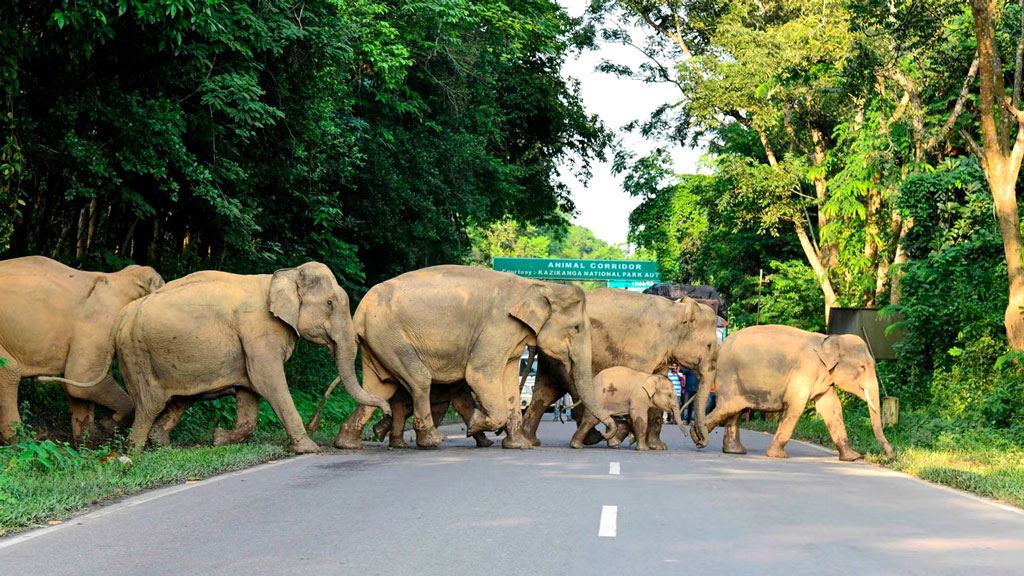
pixel 304 446
pixel 656 445
pixel 613 441
pixel 480 423
pixel 383 427
pixel 532 438
pixel 732 445
pixel 642 447
pixel 700 440
pixel 775 452
pixel 482 441
pixel 593 437
pixel 429 437
pixel 576 444
pixel 397 442
pixel 521 443
pixel 849 455
pixel 345 442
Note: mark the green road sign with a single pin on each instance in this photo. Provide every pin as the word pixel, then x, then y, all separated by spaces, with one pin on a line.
pixel 568 269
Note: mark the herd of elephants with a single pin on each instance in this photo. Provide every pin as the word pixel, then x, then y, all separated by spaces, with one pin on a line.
pixel 430 337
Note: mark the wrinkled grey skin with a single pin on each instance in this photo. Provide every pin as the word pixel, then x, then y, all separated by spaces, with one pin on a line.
pixel 645 333
pixel 779 368
pixel 212 331
pixel 445 324
pixel 57 320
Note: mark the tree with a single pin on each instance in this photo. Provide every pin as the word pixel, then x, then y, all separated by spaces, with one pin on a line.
pixel 999 113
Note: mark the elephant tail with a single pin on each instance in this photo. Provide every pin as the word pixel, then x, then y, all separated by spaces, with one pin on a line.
pixel 314 424
pixel 76 383
pixel 109 362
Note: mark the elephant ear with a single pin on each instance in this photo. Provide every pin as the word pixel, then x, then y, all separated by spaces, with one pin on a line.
pixel 283 300
pixel 828 352
pixel 650 386
pixel 533 309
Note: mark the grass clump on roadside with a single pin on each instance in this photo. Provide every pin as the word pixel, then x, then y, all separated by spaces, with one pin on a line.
pixel 47 480
pixel 984 462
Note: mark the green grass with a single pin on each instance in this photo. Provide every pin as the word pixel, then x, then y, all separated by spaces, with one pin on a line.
pixel 32 494
pixel 984 462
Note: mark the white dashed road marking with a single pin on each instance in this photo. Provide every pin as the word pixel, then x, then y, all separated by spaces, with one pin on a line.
pixel 609 518
pixel 613 468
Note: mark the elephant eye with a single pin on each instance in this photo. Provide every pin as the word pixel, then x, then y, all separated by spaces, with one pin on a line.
pixel 330 304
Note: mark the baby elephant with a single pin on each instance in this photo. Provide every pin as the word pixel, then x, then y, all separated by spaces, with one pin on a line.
pixel 641 396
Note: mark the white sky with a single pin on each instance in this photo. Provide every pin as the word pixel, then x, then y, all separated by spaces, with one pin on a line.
pixel 603 205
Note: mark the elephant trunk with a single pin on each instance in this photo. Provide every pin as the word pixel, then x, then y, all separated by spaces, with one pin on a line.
pixel 344 350
pixel 677 413
pixel 699 430
pixel 874 409
pixel 583 379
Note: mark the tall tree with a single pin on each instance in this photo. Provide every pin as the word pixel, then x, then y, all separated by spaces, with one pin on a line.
pixel 1001 119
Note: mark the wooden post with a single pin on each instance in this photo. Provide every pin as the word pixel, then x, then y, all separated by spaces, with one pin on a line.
pixel 890 411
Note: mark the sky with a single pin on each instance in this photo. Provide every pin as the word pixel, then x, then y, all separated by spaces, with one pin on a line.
pixel 602 205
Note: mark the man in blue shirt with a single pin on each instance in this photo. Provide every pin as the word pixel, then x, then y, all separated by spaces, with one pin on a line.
pixel 690 386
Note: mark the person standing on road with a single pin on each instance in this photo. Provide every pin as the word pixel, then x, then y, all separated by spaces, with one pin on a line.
pixel 691 386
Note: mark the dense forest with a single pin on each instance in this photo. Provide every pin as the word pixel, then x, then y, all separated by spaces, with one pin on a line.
pixel 859 153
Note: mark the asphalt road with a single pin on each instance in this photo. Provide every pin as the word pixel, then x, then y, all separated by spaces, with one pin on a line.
pixel 551 510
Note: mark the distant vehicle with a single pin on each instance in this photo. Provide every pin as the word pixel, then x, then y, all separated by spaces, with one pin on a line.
pixel 526 395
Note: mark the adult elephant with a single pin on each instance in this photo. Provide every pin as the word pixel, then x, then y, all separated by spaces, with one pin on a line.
pixel 211 331
pixel 443 324
pixel 57 320
pixel 779 368
pixel 645 333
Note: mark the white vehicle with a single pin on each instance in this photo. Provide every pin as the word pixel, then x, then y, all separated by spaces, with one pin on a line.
pixel 526 394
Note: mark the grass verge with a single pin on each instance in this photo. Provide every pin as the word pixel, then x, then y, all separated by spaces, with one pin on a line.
pixel 33 492
pixel 983 462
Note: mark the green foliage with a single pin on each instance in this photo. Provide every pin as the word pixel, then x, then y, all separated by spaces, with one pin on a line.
pixel 508 238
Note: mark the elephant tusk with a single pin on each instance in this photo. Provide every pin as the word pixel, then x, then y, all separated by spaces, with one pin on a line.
pixel 867 398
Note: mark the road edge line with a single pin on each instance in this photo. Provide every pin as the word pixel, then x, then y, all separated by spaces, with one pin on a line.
pixel 137 499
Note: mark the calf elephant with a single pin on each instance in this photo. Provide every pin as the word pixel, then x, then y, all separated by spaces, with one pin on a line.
pixel 623 391
pixel 211 331
pixel 58 320
pixel 779 368
pixel 645 333
pixel 445 324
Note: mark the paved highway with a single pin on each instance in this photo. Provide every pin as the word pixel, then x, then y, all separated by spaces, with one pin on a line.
pixel 551 510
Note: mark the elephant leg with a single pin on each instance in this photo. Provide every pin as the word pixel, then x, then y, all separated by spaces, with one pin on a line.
pixel 514 437
pixel 169 419
pixel 622 432
pixel 787 424
pixel 545 392
pixel 10 375
pixel 83 365
pixel 731 442
pixel 145 415
pixel 246 415
pixel 640 428
pixel 349 436
pixel 266 375
pixel 655 418
pixel 831 411
pixel 465 406
pixel 394 427
pixel 587 423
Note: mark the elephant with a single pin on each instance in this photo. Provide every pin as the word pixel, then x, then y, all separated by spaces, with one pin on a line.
pixel 457 395
pixel 642 396
pixel 645 333
pixel 445 324
pixel 779 368
pixel 57 320
pixel 211 331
